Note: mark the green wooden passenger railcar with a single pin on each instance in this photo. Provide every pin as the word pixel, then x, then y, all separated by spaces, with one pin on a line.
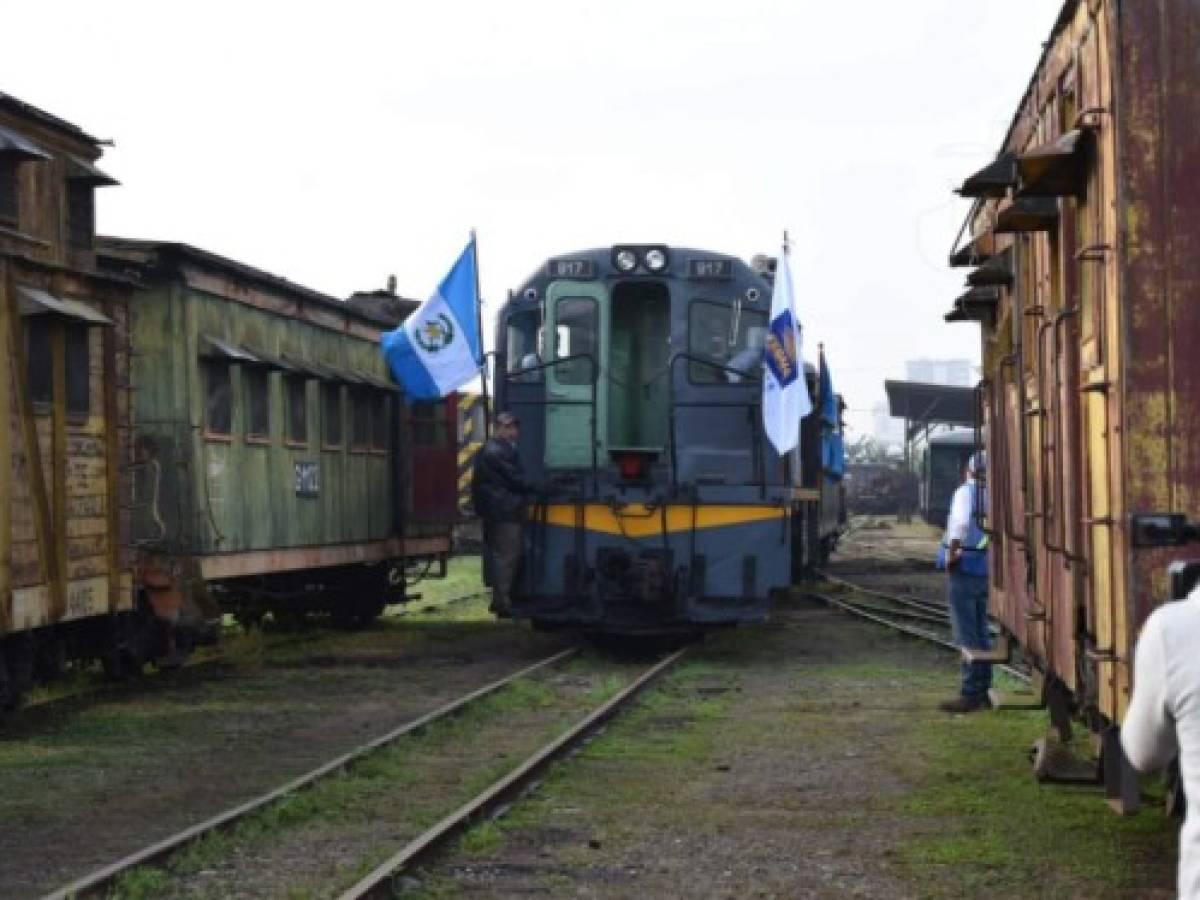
pixel 274 452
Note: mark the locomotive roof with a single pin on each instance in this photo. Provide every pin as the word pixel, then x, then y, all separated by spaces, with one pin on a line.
pixel 604 254
pixel 165 255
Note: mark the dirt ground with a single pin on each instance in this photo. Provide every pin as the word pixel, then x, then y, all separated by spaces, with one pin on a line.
pixel 801 758
pixel 806 758
pixel 86 784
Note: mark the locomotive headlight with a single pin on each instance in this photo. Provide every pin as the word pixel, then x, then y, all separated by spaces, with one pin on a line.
pixel 656 260
pixel 625 260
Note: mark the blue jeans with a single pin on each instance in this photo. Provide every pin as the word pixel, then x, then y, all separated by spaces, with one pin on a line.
pixel 968 596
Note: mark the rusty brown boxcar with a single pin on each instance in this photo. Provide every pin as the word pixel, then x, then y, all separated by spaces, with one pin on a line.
pixel 1086 237
pixel 66 576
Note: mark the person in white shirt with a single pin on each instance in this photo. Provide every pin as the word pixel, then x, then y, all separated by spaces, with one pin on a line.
pixel 964 557
pixel 1163 719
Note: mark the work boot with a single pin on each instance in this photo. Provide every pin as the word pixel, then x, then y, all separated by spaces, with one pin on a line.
pixel 964 704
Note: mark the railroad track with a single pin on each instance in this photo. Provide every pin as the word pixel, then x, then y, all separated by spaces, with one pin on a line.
pixel 103 881
pixel 925 619
pixel 193 666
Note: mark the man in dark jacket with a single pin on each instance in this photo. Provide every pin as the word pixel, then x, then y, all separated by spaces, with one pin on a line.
pixel 498 492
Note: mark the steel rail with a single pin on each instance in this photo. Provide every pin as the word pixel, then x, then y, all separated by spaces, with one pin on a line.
pixel 379 882
pixel 102 879
pixel 921 633
pixel 929 606
pixel 191 666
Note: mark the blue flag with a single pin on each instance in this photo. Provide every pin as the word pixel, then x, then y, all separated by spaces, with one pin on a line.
pixel 829 404
pixel 437 349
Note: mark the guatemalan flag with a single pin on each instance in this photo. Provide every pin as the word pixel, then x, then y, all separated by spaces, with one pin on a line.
pixel 785 392
pixel 437 350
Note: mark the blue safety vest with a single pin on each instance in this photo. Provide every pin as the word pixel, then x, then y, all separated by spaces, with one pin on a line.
pixel 974 545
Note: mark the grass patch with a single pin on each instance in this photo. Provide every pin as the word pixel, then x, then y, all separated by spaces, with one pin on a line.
pixel 345 798
pixel 978 819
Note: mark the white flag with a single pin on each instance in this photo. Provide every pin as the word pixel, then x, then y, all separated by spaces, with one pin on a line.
pixel 785 392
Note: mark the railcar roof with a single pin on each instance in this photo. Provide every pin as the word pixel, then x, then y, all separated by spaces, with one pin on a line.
pixel 166 254
pixel 28 110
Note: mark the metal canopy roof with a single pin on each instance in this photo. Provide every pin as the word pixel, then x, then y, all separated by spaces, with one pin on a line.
pixel 993 180
pixel 930 404
pixel 36 302
pixel 84 171
pixel 18 145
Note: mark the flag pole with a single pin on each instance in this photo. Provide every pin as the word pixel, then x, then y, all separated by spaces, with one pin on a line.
pixel 483 373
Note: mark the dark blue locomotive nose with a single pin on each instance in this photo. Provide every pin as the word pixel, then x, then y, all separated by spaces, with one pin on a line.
pixel 637 372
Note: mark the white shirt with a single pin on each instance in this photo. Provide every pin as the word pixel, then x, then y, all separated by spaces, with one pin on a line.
pixel 959 519
pixel 1164 715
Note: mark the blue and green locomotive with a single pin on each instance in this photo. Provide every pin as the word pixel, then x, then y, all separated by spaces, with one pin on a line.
pixel 636 373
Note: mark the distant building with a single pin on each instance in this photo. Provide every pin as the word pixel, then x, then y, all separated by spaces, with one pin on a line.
pixel 886 429
pixel 957 372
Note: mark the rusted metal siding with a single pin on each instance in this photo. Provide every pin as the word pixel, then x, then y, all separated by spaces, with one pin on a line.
pixel 1160 316
pixel 1093 379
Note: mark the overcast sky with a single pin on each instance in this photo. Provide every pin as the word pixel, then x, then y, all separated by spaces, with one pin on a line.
pixel 338 143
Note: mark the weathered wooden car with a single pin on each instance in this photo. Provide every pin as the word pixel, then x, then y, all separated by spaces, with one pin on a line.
pixel 1083 234
pixel 277 465
pixel 66 574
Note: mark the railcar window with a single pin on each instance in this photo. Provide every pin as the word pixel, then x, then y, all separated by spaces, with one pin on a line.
pixel 523 344
pixel 258 403
pixel 297 409
pixel 81 214
pixel 40 376
pixel 380 417
pixel 9 207
pixel 576 335
pixel 78 370
pixel 428 424
pixel 728 336
pixel 331 413
pixel 360 416
pixel 218 398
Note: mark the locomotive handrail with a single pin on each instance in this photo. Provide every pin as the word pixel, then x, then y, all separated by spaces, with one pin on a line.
pixel 749 406
pixel 546 401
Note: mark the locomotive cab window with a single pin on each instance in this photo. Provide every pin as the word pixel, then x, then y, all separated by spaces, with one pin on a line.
pixel 523 345
pixel 728 337
pixel 218 398
pixel 258 404
pixel 575 335
pixel 296 394
pixel 331 414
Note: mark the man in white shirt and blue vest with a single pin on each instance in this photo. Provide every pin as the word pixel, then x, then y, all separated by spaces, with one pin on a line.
pixel 964 556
